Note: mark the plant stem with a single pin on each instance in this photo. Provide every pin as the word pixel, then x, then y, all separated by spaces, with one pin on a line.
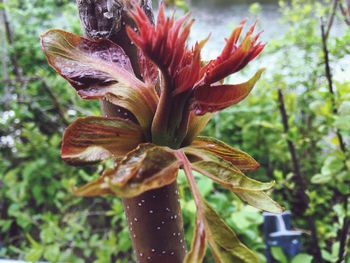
pixel 154 217
pixel 300 183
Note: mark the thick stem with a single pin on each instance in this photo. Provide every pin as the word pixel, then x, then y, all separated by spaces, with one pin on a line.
pixel 156 227
pixel 299 179
pixel 154 217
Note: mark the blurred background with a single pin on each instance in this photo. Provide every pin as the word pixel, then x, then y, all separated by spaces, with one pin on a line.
pixel 296 124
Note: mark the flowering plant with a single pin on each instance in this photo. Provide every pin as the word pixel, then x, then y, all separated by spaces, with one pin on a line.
pixel 161 115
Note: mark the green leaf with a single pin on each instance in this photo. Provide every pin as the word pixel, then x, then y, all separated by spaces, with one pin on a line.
pixel 147 167
pixel 302 257
pixel 93 139
pixel 260 200
pixel 240 159
pixel 321 178
pixel 229 176
pixel 278 254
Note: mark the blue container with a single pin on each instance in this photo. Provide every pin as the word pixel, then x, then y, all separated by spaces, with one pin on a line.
pixel 278 233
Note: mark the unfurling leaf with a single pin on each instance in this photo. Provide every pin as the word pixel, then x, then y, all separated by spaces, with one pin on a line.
pixel 238 158
pixel 93 139
pixel 217 97
pixel 147 167
pixel 224 243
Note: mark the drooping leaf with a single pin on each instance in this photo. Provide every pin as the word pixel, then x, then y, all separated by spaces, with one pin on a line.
pixel 240 159
pixel 217 97
pixel 229 176
pixel 147 167
pixel 198 244
pixel 96 68
pixel 94 139
pixel 90 66
pixel 224 243
pixel 260 200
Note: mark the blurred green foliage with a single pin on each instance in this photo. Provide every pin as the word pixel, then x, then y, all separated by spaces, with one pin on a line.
pixel 41 219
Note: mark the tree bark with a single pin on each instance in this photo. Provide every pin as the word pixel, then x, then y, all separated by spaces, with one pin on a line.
pixel 154 217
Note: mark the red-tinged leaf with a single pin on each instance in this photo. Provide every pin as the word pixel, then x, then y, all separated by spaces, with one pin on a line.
pixel 90 66
pixel 96 68
pixel 165 44
pixel 131 100
pixel 198 245
pixel 217 97
pixel 195 126
pixel 229 176
pixel 147 167
pixel 260 200
pixel 234 56
pixel 224 243
pixel 93 139
pixel 238 158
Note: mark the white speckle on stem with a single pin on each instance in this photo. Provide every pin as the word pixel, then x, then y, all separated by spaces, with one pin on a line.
pixel 151 211
pixel 135 219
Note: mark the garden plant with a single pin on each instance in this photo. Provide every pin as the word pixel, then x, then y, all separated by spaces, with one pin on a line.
pixel 151 124
pixel 295 123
